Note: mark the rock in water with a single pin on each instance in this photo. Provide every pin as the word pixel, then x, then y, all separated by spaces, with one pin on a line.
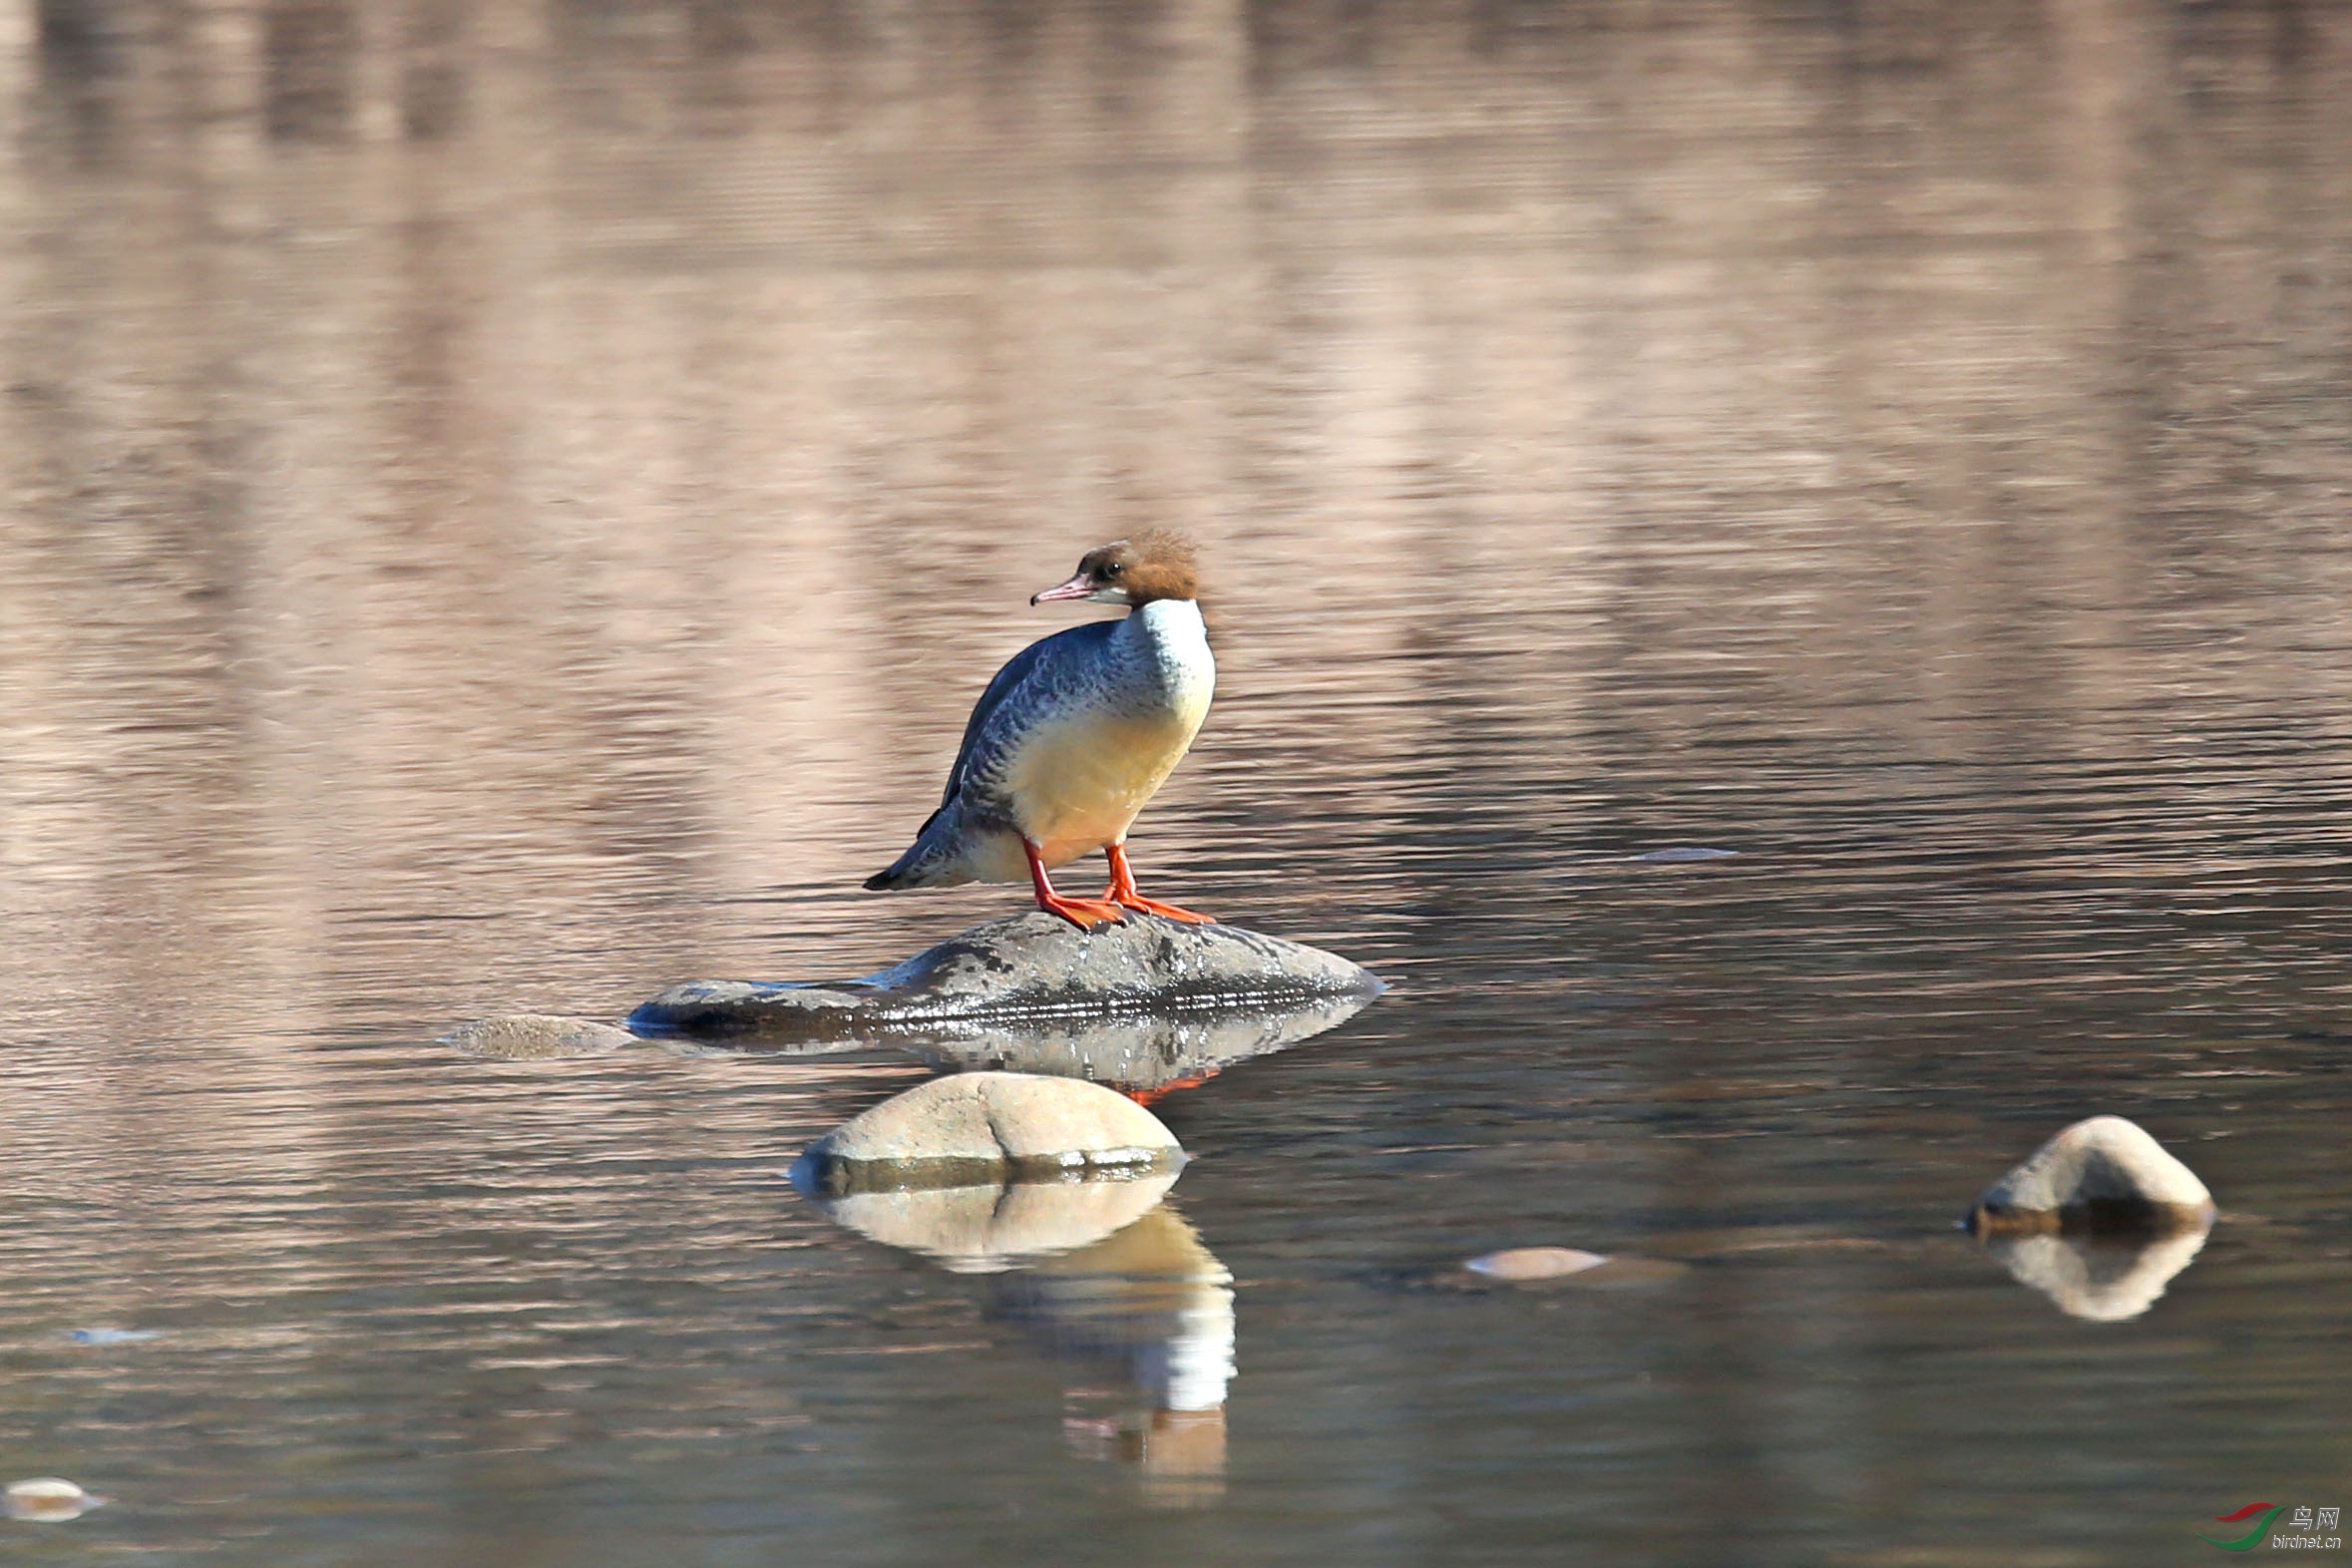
pixel 2103 1173
pixel 1027 966
pixel 979 1128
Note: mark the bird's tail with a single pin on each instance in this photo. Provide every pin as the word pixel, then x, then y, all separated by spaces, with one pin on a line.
pixel 919 867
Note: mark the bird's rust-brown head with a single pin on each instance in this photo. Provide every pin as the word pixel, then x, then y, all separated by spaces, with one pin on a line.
pixel 1153 565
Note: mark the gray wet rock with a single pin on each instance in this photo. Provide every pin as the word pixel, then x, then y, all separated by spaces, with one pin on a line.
pixel 1023 967
pixel 2103 1173
pixel 537 1036
pixel 1141 1052
pixel 979 1128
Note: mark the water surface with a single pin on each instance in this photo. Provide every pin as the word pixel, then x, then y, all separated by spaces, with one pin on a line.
pixel 505 507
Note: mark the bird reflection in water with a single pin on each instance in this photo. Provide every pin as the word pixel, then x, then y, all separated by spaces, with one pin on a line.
pixel 1106 1277
pixel 1154 1304
pixel 1103 1275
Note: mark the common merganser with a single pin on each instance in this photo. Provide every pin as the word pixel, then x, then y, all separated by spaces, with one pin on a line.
pixel 1074 736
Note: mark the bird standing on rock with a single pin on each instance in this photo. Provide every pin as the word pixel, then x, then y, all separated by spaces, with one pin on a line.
pixel 1073 736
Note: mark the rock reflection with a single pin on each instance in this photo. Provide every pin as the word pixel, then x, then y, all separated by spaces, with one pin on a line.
pixel 1107 1278
pixel 992 1228
pixel 1144 1055
pixel 2105 1276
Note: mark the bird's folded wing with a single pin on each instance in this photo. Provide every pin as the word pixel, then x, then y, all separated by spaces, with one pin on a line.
pixel 1018 699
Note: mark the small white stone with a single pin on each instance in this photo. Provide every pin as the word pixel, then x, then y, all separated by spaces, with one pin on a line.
pixel 2103 1163
pixel 48 1499
pixel 1002 1120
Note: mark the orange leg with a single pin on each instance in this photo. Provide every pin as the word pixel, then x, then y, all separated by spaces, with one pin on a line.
pixel 1149 1097
pixel 1086 914
pixel 1122 891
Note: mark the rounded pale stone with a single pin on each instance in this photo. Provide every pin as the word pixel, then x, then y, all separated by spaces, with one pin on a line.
pixel 2105 1170
pixel 532 1037
pixel 982 1128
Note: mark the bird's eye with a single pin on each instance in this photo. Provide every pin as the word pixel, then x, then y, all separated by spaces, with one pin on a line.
pixel 1113 569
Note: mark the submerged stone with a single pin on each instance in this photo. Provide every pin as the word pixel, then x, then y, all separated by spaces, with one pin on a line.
pixel 1026 965
pixel 2104 1173
pixel 1534 1263
pixel 979 1128
pixel 1574 1266
pixel 537 1036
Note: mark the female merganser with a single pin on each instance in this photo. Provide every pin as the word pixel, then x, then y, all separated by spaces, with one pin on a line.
pixel 1074 736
